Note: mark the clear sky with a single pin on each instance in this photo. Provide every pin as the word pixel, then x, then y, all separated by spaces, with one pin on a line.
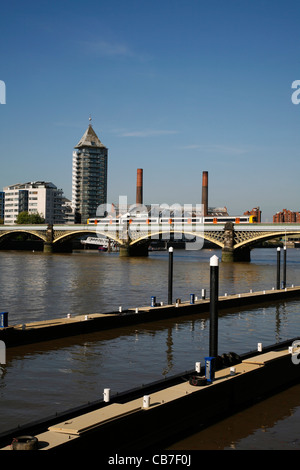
pixel 175 87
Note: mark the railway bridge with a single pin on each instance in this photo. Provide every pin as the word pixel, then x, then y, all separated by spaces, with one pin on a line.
pixel 235 240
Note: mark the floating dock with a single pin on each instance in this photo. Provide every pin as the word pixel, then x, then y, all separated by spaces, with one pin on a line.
pixel 74 325
pixel 147 418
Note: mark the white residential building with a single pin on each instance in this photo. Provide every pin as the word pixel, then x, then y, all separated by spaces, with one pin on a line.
pixel 37 197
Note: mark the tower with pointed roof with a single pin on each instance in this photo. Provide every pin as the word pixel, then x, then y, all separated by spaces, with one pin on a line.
pixel 89 176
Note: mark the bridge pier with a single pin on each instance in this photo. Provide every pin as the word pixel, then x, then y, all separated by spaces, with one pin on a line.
pixel 133 250
pixel 228 251
pixel 124 251
pixel 229 254
pixel 48 247
pixel 48 244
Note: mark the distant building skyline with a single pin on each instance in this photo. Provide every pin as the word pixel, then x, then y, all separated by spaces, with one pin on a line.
pixel 89 176
pixel 256 212
pixel 286 216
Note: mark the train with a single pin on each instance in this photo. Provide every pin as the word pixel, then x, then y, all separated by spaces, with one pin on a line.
pixel 147 220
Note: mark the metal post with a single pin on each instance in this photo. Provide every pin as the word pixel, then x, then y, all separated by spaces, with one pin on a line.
pixel 284 267
pixel 278 269
pixel 214 294
pixel 170 280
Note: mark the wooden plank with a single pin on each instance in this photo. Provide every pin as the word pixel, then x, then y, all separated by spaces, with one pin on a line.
pixel 266 357
pixel 96 418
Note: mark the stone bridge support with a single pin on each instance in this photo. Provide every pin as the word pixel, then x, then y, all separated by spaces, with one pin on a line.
pixel 48 244
pixel 140 249
pixel 229 254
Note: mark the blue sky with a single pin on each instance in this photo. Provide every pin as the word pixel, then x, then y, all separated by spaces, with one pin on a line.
pixel 173 87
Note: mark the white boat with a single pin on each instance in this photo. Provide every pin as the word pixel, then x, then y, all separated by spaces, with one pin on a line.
pixel 104 244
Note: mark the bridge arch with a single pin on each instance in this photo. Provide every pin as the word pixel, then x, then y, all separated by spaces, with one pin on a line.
pixel 263 237
pixel 202 235
pixel 64 236
pixel 40 235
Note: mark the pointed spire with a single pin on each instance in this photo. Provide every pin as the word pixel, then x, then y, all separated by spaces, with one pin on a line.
pixel 90 138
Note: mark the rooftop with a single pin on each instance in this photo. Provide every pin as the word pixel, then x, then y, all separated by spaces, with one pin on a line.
pixel 32 184
pixel 90 139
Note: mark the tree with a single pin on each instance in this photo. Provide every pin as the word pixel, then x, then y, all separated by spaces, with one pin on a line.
pixel 26 218
pixel 36 219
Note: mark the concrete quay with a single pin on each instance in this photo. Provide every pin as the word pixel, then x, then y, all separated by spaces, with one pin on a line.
pixel 34 332
pixel 148 418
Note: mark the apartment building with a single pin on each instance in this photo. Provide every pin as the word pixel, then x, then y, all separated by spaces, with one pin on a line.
pixel 286 216
pixel 256 212
pixel 39 197
pixel 89 176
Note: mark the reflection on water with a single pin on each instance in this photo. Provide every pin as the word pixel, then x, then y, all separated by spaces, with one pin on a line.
pixel 273 424
pixel 39 380
pixel 35 286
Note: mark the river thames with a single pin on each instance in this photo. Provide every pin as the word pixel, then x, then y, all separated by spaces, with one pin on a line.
pixel 39 380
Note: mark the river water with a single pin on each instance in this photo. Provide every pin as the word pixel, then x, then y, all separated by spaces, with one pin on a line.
pixel 39 380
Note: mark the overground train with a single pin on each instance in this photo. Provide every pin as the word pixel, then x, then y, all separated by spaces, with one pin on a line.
pixel 251 219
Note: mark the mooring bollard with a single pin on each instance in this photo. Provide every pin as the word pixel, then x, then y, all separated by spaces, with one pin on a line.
pixel 106 394
pixel 278 269
pixel 214 293
pixel 146 401
pixel 203 293
pixel 170 279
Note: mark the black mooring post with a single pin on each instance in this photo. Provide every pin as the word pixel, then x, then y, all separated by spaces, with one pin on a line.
pixel 170 279
pixel 278 269
pixel 284 268
pixel 214 295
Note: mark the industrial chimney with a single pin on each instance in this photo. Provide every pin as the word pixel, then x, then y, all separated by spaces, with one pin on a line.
pixel 205 192
pixel 139 186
